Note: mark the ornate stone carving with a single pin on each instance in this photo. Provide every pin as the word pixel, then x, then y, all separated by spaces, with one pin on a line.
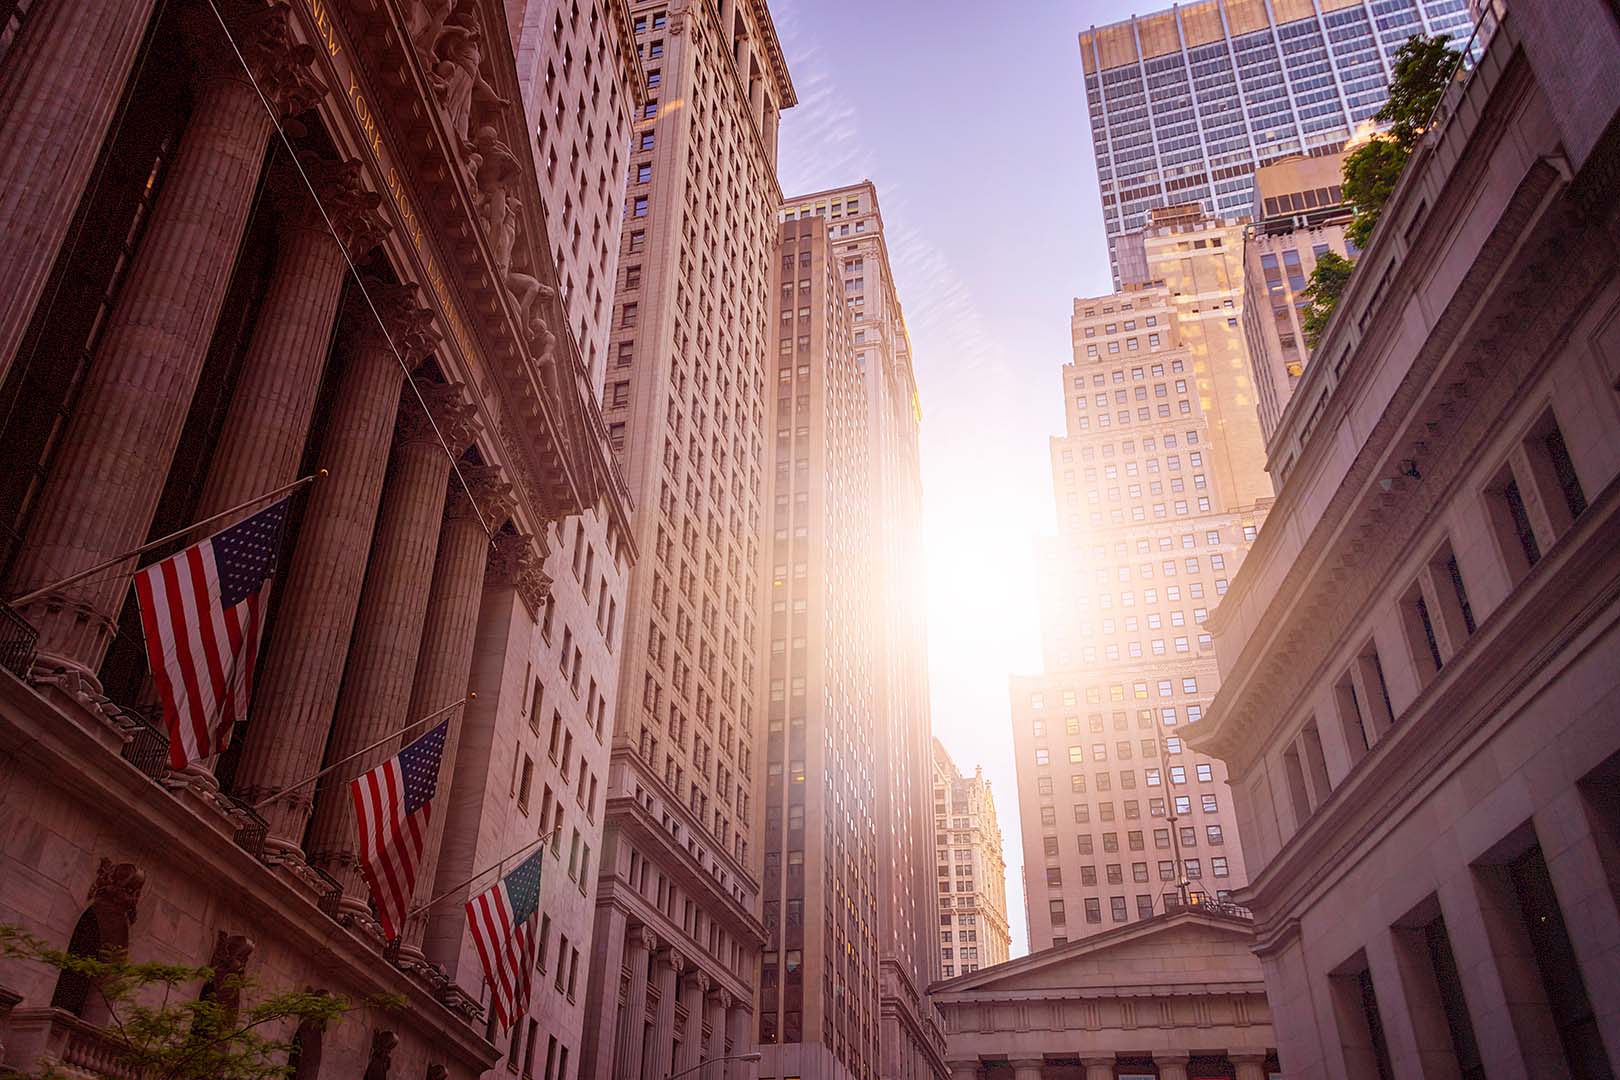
pixel 517 561
pixel 436 413
pixel 405 322
pixel 647 939
pixel 116 891
pixel 495 169
pixel 350 205
pixel 701 980
pixel 229 961
pixel 531 297
pixel 723 998
pixel 486 493
pixel 280 63
pixel 676 960
pixel 457 56
pixel 383 1044
pixel 425 23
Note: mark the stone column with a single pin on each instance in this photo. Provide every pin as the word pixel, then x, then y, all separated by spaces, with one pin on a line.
pixel 445 663
pixel 1572 843
pixel 377 681
pixel 1029 1068
pixel 667 969
pixel 740 1029
pixel 106 478
pixel 57 100
pixel 1099 1068
pixel 309 639
pixel 1507 1003
pixel 271 405
pixel 719 1003
pixel 1249 1065
pixel 963 1070
pixel 694 992
pixel 639 947
pixel 1172 1064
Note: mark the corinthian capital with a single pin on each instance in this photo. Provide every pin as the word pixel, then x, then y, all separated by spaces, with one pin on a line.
pixel 482 496
pixel 351 206
pixel 278 61
pixel 399 320
pixel 516 561
pixel 436 413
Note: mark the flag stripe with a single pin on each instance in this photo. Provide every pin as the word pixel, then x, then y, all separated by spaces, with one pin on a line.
pixel 392 837
pixel 201 649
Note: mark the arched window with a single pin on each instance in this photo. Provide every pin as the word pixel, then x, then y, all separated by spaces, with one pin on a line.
pixel 73 989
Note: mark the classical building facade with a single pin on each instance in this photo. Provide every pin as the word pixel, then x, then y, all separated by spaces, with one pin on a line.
pixel 972 872
pixel 676 947
pixel 1299 215
pixel 1421 655
pixel 1185 104
pixel 1175 997
pixel 191 333
pixel 909 1039
pixel 1160 487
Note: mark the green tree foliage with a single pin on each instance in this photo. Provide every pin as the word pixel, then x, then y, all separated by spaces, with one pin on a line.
pixel 167 1031
pixel 1423 67
pixel 1328 279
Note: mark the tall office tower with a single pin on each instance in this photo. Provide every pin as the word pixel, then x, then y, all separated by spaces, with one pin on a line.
pixel 677 934
pixel 819 974
pixel 973 931
pixel 1298 217
pixel 1160 487
pixel 583 88
pixel 1185 104
pixel 899 656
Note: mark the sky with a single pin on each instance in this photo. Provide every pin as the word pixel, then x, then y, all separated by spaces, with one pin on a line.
pixel 970 118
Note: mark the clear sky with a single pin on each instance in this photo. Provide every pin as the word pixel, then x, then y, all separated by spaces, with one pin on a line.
pixel 970 117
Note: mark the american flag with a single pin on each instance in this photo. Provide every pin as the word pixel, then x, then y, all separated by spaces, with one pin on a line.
pixel 502 920
pixel 202 611
pixel 393 804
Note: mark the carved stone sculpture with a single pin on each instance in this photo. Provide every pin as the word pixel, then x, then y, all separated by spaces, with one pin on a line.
pixel 425 24
pixel 458 80
pixel 495 168
pixel 116 892
pixel 231 953
pixel 383 1044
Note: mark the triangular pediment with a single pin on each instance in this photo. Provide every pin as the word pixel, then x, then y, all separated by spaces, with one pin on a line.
pixel 1181 950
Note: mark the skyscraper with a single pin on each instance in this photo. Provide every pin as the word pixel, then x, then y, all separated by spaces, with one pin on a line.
pixel 973 931
pixel 1299 216
pixel 895 727
pixel 1160 488
pixel 819 977
pixel 685 404
pixel 1185 104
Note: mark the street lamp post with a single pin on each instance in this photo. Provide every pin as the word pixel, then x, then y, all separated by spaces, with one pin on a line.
pixel 753 1055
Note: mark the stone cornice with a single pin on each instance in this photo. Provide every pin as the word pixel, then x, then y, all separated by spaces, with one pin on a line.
pixel 1571 596
pixel 56 750
pixel 1468 352
pixel 635 820
pixel 383 109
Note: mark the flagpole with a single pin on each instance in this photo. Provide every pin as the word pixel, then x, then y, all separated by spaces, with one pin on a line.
pixel 310 779
pixel 27 597
pixel 458 886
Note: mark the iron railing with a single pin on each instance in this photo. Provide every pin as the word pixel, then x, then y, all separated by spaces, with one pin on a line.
pixel 17 640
